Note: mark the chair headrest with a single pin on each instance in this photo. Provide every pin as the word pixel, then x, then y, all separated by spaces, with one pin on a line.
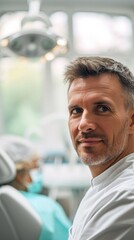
pixel 18 220
pixel 7 168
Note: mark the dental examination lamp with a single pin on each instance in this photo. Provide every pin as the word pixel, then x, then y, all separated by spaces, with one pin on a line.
pixel 35 38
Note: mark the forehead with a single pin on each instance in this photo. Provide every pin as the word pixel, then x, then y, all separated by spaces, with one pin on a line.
pixel 104 84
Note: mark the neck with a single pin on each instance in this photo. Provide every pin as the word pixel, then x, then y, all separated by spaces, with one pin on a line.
pixel 19 186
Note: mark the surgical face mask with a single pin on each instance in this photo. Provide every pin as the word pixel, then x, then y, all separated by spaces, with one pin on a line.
pixel 37 182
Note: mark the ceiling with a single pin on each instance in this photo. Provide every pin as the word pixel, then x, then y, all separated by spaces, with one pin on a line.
pixel 15 5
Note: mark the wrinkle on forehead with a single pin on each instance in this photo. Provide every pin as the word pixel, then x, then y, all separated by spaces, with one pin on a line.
pixel 106 81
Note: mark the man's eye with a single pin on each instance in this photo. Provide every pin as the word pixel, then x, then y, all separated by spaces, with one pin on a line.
pixel 103 108
pixel 76 111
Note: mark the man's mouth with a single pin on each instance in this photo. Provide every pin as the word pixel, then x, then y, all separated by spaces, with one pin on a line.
pixel 89 141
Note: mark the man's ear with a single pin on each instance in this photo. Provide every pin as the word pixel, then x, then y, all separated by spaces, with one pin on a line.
pixel 131 126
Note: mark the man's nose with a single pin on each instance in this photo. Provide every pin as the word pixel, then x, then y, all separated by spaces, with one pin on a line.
pixel 87 123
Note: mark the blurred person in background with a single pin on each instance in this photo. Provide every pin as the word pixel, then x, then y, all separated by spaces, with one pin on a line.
pixel 55 223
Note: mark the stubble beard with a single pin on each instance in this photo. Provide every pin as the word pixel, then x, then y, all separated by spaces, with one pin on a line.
pixel 112 152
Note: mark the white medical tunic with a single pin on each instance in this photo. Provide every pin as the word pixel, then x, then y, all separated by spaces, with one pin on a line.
pixel 107 210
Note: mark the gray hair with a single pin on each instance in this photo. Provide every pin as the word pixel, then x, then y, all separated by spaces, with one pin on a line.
pixel 92 66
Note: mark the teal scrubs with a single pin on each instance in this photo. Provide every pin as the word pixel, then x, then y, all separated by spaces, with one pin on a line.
pixel 55 223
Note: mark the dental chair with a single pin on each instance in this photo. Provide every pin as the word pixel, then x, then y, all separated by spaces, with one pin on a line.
pixel 18 221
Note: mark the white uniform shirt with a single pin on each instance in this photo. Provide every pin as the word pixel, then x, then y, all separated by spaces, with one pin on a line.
pixel 107 210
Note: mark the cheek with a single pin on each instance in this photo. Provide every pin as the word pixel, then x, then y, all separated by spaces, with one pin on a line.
pixel 73 129
pixel 117 129
pixel 27 178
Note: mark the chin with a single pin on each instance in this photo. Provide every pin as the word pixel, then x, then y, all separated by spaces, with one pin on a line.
pixel 93 160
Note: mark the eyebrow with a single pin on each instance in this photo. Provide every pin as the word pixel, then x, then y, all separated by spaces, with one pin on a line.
pixel 73 106
pixel 102 102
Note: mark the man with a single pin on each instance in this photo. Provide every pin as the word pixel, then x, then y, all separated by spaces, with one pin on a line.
pixel 101 124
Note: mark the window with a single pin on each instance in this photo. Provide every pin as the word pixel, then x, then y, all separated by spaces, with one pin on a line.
pixel 21 95
pixel 96 33
pixel 60 23
pixel 27 89
pixel 60 89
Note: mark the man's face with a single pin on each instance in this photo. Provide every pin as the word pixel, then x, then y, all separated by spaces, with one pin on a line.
pixel 99 121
